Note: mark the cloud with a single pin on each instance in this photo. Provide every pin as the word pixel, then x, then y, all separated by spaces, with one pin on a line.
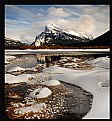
pixel 25 22
pixel 16 23
pixel 16 11
pixel 101 28
pixel 89 9
pixel 100 12
pixel 58 12
pixel 19 30
pixel 20 34
pixel 86 23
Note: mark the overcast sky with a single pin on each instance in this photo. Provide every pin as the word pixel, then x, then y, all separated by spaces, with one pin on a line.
pixel 24 22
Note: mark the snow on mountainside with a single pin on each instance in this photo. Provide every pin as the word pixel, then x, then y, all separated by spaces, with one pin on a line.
pixel 52 27
pixel 54 35
pixel 72 32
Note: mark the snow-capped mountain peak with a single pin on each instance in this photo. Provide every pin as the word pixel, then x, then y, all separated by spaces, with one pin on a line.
pixel 55 35
pixel 51 27
pixel 54 27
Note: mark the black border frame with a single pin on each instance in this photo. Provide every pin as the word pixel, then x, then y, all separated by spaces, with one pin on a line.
pixel 40 2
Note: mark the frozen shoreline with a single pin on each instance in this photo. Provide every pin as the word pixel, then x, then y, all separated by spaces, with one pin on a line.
pixel 87 79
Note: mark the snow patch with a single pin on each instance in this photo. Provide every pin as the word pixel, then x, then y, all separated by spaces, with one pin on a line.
pixel 71 64
pixel 51 83
pixel 72 32
pixel 88 79
pixel 102 62
pixel 12 79
pixel 7 57
pixel 55 69
pixel 33 108
pixel 16 69
pixel 76 59
pixel 53 26
pixel 26 75
pixel 42 77
pixel 17 79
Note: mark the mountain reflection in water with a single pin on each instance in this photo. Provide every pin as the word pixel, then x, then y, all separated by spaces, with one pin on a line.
pixel 46 60
pixel 50 59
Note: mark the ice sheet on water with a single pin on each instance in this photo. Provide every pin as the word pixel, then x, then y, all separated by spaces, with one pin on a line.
pixel 16 69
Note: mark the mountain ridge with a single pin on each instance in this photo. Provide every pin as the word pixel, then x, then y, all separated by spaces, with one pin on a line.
pixel 13 44
pixel 54 35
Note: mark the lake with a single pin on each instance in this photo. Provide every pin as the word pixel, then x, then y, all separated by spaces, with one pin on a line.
pixel 68 67
pixel 33 58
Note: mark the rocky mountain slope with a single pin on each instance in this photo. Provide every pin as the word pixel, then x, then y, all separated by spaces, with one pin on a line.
pixel 102 40
pixel 13 44
pixel 54 35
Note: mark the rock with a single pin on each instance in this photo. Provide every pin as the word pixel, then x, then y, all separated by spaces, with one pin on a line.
pixel 41 93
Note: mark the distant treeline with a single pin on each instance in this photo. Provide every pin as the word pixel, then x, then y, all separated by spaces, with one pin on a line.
pixel 62 47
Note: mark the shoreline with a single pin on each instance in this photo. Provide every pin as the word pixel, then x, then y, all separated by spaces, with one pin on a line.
pixel 59 51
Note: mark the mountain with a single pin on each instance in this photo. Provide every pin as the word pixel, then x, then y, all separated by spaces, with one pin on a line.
pixel 102 40
pixel 13 44
pixel 54 35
